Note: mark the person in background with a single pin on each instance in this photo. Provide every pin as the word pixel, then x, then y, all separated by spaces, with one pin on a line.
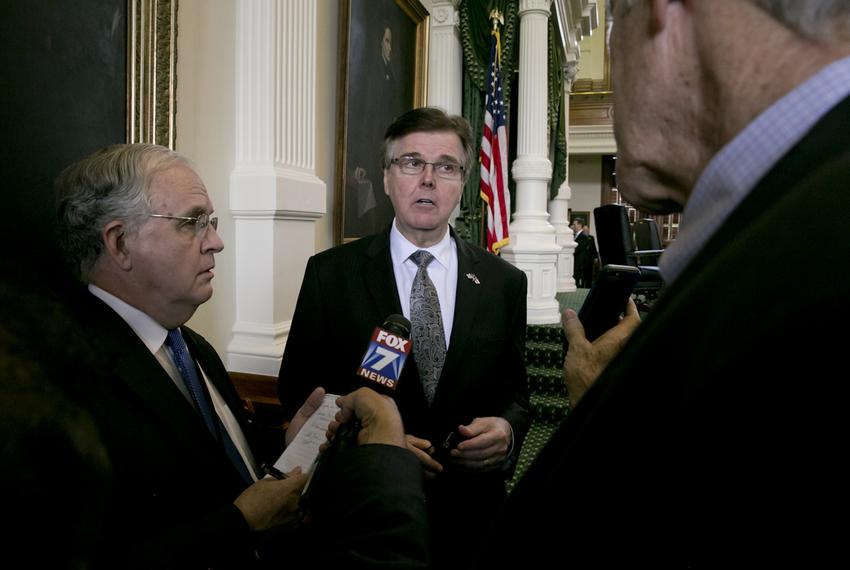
pixel 585 254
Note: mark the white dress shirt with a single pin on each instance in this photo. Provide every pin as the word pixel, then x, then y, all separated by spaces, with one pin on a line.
pixel 442 271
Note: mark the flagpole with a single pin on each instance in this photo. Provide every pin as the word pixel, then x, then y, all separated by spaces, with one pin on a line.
pixel 494 148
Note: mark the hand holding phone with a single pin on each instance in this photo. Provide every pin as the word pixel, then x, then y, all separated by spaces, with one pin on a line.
pixel 442 449
pixel 607 299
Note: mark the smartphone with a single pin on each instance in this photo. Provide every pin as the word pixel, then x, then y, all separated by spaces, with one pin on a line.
pixel 606 301
pixel 450 442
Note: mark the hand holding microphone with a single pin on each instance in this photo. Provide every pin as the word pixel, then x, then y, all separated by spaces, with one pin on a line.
pixel 378 416
pixel 379 370
pixel 365 416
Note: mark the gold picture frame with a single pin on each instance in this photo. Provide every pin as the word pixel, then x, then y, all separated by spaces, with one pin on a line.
pixel 375 85
pixel 151 71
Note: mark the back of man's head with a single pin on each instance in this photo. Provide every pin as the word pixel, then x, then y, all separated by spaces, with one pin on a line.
pixel 110 184
pixel 428 120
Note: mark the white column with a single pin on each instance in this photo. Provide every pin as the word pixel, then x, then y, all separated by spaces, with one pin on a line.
pixel 533 246
pixel 445 63
pixel 559 207
pixel 275 195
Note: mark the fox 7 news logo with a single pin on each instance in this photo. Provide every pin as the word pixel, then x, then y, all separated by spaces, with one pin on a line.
pixel 384 359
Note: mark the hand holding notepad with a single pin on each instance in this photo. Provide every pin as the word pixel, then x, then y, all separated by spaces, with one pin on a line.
pixel 304 448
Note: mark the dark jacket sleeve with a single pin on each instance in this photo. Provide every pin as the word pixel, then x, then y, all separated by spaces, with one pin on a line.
pixel 516 377
pixel 297 369
pixel 215 539
pixel 370 510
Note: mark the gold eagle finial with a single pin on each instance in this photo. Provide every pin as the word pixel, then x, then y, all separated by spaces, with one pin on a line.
pixel 497 18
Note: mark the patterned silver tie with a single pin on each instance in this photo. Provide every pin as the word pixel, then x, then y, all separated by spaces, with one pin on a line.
pixel 429 339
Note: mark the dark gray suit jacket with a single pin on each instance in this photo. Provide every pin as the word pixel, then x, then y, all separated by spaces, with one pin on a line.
pixel 717 437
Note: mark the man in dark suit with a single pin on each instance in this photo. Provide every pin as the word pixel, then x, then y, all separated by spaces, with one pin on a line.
pixel 136 224
pixel 585 254
pixel 479 390
pixel 380 89
pixel 714 437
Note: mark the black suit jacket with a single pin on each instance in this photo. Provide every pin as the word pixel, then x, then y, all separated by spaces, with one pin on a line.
pixel 585 255
pixel 717 435
pixel 173 487
pixel 349 290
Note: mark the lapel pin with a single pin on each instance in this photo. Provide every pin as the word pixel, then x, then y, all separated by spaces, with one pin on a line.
pixel 474 278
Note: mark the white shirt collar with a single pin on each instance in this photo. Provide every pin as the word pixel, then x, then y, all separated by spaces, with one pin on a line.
pixel 151 332
pixel 401 248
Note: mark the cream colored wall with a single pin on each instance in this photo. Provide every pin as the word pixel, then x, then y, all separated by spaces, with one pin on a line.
pixel 205 133
pixel 586 184
pixel 327 23
pixel 592 63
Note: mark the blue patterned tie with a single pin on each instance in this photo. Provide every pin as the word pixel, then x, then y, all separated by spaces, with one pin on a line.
pixel 427 334
pixel 186 366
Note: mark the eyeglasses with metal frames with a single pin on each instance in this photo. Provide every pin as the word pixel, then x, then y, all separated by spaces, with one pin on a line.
pixel 201 222
pixel 413 165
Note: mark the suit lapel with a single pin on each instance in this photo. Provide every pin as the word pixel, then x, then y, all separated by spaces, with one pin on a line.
pixel 131 362
pixel 146 378
pixel 209 362
pixel 379 277
pixel 379 280
pixel 467 298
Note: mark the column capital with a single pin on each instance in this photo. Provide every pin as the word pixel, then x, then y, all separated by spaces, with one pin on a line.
pixel 530 6
pixel 570 71
pixel 444 14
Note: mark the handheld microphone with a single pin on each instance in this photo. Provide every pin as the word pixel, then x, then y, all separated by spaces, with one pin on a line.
pixel 380 370
pixel 386 354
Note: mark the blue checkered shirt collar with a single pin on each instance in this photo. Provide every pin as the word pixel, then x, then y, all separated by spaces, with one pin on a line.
pixel 736 170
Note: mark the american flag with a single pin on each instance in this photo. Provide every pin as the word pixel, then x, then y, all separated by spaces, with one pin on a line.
pixel 494 154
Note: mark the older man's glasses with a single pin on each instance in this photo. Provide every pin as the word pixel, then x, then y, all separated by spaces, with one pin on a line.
pixel 412 165
pixel 200 223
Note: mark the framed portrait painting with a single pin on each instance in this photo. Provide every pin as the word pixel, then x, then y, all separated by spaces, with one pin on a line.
pixel 383 73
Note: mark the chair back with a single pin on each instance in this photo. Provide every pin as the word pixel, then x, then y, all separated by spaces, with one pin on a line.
pixel 616 245
pixel 613 235
pixel 646 234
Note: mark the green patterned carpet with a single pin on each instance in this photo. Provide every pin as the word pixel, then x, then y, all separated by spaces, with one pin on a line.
pixel 549 403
